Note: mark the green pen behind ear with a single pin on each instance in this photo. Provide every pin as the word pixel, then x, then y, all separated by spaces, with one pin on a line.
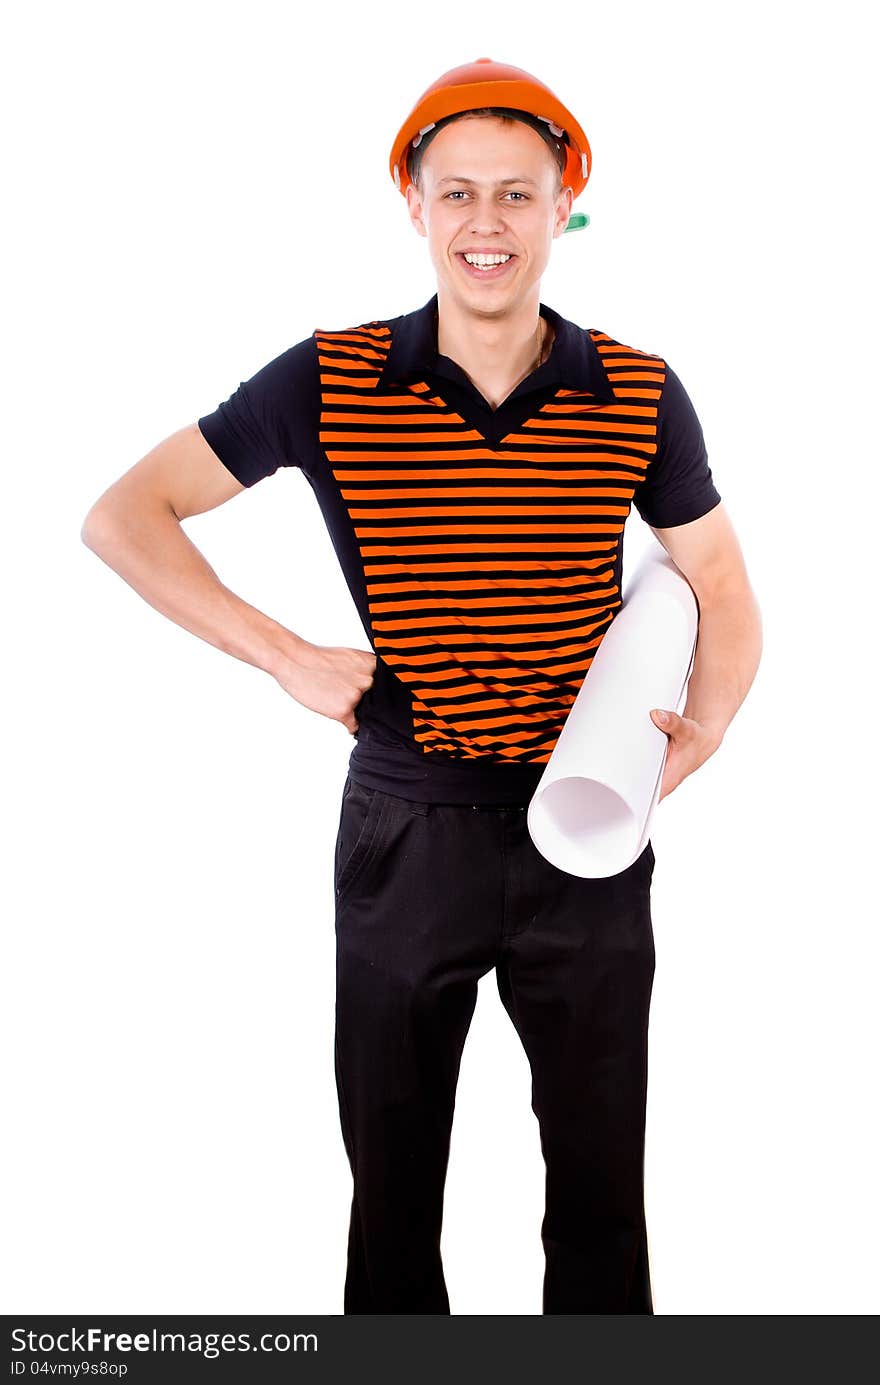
pixel 577 221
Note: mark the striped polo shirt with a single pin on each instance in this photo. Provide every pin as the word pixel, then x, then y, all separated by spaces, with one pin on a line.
pixel 483 547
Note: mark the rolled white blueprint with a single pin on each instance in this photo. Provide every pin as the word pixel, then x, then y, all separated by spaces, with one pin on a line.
pixel 592 810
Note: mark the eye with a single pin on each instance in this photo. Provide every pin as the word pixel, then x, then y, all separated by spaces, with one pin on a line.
pixel 461 192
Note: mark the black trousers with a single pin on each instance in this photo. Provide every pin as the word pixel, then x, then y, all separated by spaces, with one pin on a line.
pixel 430 897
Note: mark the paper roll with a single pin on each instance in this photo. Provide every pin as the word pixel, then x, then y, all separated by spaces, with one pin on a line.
pixel 592 810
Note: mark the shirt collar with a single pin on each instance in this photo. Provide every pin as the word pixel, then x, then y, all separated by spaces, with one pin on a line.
pixel 574 361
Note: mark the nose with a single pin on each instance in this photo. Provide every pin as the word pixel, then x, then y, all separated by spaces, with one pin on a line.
pixel 487 217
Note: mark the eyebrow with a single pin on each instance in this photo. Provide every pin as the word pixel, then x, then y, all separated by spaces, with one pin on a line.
pixel 455 178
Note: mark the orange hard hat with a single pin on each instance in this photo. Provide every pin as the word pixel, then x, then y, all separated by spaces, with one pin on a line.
pixel 487 83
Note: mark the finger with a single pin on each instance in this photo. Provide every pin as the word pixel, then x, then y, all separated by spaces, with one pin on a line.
pixel 666 720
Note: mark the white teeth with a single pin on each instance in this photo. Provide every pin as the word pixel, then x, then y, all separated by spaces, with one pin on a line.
pixel 487 261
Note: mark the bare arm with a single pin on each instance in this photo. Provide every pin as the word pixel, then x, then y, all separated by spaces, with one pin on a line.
pixel 729 641
pixel 135 527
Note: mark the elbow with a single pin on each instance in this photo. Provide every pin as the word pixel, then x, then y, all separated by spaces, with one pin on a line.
pixel 99 530
pixel 91 527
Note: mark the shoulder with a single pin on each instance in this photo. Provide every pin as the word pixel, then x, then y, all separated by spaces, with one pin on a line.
pixel 634 374
pixel 606 339
pixel 355 354
pixel 613 348
pixel 375 327
pixel 628 365
pixel 293 368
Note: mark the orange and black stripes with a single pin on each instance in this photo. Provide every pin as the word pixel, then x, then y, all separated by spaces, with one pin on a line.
pixel 492 572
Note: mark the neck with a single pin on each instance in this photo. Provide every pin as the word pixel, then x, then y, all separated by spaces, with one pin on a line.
pixel 495 351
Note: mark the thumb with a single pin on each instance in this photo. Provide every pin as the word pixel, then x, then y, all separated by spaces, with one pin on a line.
pixel 664 719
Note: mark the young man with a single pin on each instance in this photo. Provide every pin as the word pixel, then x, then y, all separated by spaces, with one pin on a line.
pixel 475 462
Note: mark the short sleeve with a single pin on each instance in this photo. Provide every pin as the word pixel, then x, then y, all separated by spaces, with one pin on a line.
pixel 678 486
pixel 265 423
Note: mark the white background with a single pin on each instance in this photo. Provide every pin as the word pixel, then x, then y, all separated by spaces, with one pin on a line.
pixel 194 188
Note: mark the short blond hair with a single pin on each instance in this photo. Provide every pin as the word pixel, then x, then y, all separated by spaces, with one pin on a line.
pixel 508 117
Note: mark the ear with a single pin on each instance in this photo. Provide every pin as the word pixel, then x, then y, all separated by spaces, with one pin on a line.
pixel 563 211
pixel 414 207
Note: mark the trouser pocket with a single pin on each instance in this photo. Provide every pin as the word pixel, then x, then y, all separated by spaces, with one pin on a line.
pixel 363 812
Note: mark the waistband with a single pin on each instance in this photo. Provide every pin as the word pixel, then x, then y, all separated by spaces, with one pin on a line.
pixel 400 771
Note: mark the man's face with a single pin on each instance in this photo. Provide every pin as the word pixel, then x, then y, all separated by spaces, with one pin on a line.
pixel 488 186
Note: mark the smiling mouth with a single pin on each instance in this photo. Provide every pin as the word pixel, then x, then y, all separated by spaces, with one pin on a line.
pixel 490 271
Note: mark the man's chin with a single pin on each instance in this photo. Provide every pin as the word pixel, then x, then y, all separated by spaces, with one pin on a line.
pixel 481 300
